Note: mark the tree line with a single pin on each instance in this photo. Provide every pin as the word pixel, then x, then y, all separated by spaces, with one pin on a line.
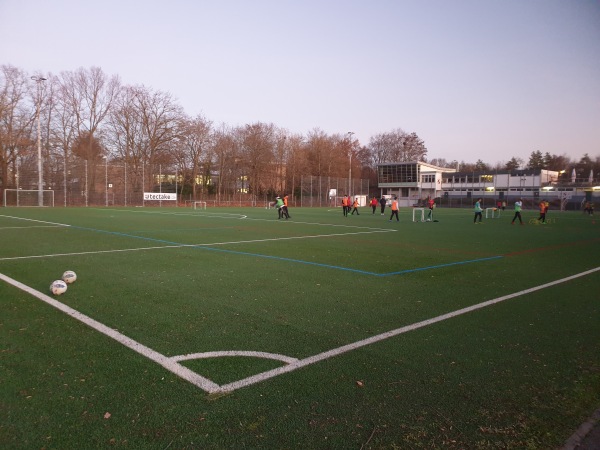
pixel 87 115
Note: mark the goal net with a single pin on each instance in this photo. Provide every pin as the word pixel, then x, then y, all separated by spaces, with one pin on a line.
pixel 199 205
pixel 28 197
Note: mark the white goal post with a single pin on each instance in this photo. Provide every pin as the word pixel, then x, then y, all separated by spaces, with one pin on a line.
pixel 422 214
pixel 28 197
pixel 492 212
pixel 199 205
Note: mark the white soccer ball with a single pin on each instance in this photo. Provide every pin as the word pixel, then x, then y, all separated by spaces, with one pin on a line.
pixel 58 287
pixel 69 277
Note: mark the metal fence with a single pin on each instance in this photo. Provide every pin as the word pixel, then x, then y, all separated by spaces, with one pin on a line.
pixel 325 191
pixel 102 183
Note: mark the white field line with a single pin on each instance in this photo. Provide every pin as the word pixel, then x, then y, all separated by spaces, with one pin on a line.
pixel 95 252
pixel 34 220
pixel 380 337
pixel 240 216
pixel 33 226
pixel 168 363
pixel 171 363
pixel 265 355
pixel 11 258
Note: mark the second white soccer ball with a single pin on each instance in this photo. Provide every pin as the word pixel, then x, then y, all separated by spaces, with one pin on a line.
pixel 58 287
pixel 69 277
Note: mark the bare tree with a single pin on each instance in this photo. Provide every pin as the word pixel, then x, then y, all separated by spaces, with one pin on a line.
pixel 319 147
pixel 227 160
pixel 160 117
pixel 258 144
pixel 62 131
pixel 397 146
pixel 88 95
pixel 192 152
pixel 16 119
pixel 125 135
pixel 144 126
pixel 278 183
pixel 296 161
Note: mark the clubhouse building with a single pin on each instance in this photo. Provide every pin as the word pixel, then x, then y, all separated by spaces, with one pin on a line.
pixel 414 182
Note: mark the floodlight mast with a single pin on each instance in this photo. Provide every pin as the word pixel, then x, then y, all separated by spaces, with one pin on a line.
pixel 350 133
pixel 39 81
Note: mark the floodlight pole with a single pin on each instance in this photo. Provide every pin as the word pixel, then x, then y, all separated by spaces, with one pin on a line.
pixel 106 179
pixel 39 81
pixel 350 133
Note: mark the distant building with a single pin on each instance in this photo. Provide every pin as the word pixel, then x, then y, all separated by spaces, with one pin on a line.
pixel 413 182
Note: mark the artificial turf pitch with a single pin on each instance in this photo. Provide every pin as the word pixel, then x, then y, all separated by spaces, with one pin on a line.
pixel 322 331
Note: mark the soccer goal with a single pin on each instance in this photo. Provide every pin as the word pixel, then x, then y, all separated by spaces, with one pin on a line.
pixel 199 205
pixel 494 213
pixel 416 213
pixel 28 197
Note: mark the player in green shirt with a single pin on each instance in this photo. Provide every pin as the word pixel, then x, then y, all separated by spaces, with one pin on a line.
pixel 518 207
pixel 478 211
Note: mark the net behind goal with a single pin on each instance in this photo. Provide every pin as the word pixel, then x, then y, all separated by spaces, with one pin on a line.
pixel 28 197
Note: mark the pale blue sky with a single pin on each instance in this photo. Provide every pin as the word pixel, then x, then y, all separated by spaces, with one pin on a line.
pixel 475 79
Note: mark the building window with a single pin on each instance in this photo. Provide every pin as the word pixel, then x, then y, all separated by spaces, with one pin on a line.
pixel 428 178
pixel 398 173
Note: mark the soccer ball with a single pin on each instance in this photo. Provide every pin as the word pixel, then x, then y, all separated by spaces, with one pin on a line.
pixel 69 277
pixel 58 287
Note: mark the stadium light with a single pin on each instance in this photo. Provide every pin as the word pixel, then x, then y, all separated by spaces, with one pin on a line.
pixel 39 81
pixel 106 179
pixel 350 133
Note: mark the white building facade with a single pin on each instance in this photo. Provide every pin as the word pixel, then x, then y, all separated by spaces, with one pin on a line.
pixel 414 182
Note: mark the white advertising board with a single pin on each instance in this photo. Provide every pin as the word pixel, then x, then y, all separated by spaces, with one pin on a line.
pixel 159 196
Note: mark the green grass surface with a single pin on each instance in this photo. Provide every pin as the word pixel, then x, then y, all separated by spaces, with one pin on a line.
pixel 522 373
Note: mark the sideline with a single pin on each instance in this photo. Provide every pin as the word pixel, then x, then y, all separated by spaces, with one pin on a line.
pixel 168 363
pixel 380 337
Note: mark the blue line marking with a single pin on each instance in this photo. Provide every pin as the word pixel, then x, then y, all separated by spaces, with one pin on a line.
pixel 281 258
pixel 401 272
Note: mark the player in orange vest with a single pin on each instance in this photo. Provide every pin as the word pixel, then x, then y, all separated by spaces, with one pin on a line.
pixel 355 206
pixel 395 209
pixel 345 205
pixel 543 209
pixel 285 203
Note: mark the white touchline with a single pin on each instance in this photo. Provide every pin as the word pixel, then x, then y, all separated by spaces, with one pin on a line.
pixel 169 364
pixel 172 365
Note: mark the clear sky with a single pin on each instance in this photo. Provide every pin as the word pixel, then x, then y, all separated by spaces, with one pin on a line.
pixel 475 79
